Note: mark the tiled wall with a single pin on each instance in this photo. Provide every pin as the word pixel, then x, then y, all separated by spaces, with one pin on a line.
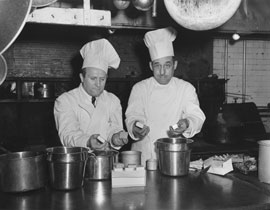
pixel 246 65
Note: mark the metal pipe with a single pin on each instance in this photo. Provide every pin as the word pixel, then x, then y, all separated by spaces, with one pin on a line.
pixel 154 9
pixel 244 73
pixel 226 66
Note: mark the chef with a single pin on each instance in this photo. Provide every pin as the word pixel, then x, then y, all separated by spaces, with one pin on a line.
pixel 162 105
pixel 89 116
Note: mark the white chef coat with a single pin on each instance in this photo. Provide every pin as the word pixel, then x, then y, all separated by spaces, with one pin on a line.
pixel 160 106
pixel 77 119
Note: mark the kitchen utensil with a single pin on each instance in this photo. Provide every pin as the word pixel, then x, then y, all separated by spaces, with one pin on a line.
pixel 66 167
pixel 22 171
pixel 13 15
pixel 131 158
pixel 174 155
pixel 44 90
pixel 143 5
pixel 151 164
pixel 203 14
pixel 121 4
pixel 3 69
pixel 100 164
pixel 264 161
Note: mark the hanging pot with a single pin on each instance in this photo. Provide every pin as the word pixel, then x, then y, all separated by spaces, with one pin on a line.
pixel 201 14
pixel 121 4
pixel 143 5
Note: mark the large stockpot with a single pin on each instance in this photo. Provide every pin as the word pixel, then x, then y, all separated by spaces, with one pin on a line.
pixel 66 167
pixel 174 156
pixel 23 171
pixel 100 164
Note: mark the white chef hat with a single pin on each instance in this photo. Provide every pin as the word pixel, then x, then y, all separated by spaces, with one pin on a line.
pixel 100 54
pixel 159 42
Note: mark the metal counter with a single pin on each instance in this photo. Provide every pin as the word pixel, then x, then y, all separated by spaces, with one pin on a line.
pixel 195 191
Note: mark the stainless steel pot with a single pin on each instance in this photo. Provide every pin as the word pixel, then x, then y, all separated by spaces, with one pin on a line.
pixel 23 171
pixel 131 158
pixel 66 167
pixel 44 90
pixel 100 164
pixel 174 156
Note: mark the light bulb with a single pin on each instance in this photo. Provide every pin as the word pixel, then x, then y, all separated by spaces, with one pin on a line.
pixel 236 36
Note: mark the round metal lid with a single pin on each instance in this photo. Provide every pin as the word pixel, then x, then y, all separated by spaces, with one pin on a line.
pixel 201 14
pixel 13 15
pixel 3 69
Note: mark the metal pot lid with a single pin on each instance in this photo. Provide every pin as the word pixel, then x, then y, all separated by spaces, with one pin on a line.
pixel 13 15
pixel 201 14
pixel 3 69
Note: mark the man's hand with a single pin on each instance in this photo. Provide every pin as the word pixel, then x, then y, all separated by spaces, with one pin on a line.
pixel 119 139
pixel 182 125
pixel 94 144
pixel 140 132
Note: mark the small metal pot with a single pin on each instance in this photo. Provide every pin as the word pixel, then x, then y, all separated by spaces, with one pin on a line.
pixel 99 164
pixel 44 90
pixel 22 171
pixel 131 158
pixel 66 167
pixel 174 156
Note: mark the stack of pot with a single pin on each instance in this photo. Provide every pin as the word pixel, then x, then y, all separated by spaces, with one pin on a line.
pixel 66 167
pixel 100 164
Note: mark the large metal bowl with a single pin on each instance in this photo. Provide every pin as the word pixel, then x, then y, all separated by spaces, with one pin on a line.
pixel 13 16
pixel 201 14
pixel 3 69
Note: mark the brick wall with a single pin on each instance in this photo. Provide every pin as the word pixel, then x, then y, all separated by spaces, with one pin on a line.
pixel 246 65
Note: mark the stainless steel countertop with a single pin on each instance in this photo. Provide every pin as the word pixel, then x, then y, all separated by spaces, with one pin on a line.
pixel 193 191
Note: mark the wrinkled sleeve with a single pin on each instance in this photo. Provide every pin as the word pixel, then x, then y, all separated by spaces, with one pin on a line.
pixel 67 123
pixel 193 113
pixel 116 119
pixel 135 110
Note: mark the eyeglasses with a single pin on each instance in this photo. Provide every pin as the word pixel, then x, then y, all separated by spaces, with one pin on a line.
pixel 166 66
